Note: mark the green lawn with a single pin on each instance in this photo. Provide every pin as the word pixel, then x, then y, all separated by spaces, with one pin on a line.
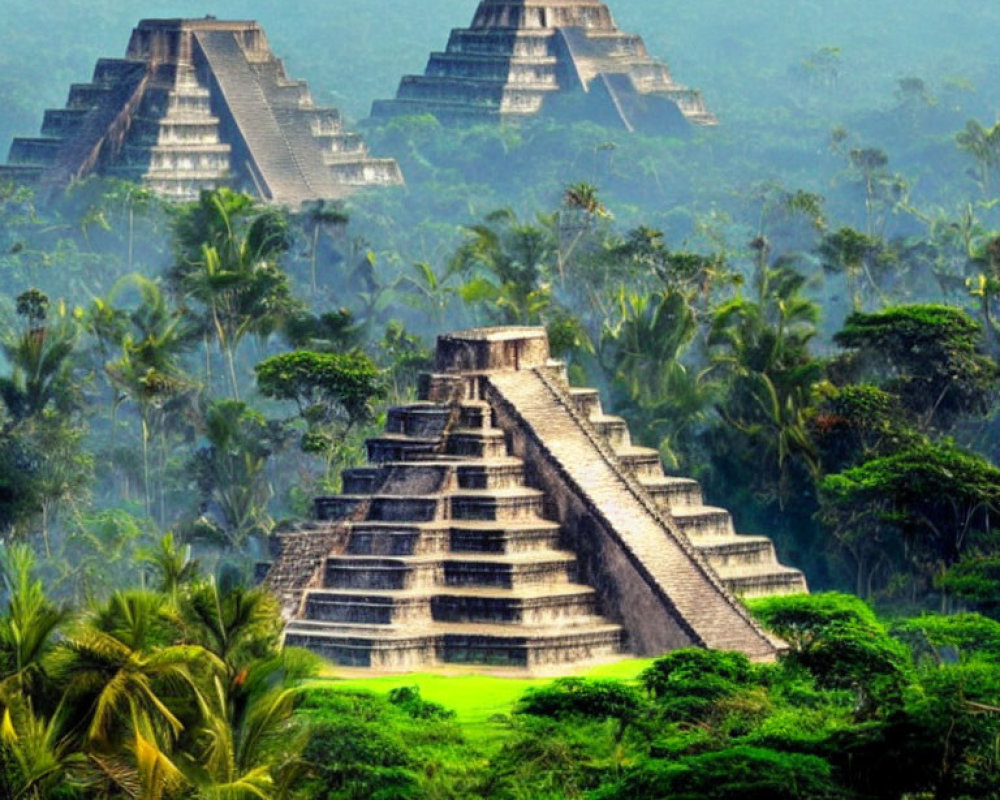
pixel 474 698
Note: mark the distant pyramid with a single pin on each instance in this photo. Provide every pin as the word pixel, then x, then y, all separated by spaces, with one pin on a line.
pixel 197 103
pixel 567 57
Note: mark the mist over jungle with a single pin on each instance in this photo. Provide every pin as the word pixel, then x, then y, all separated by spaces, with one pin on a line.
pixel 799 308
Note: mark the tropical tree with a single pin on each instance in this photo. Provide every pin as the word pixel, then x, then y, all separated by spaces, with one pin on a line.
pixel 41 359
pixel 851 253
pixel 928 355
pixel 507 265
pixel 120 665
pixel 761 349
pixel 321 217
pixel 944 502
pixel 642 350
pixel 231 469
pixel 983 146
pixel 152 339
pixel 334 392
pixel 27 626
pixel 235 277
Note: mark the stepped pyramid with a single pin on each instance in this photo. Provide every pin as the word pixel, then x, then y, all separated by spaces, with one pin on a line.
pixel 193 105
pixel 568 57
pixel 506 521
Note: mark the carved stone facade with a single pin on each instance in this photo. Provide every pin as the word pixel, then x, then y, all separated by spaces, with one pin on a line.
pixel 196 104
pixel 506 521
pixel 565 57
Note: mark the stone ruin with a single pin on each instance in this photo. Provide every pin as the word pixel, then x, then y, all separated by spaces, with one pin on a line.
pixel 195 104
pixel 564 57
pixel 507 521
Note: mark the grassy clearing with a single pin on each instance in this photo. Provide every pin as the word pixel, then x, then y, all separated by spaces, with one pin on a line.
pixel 475 699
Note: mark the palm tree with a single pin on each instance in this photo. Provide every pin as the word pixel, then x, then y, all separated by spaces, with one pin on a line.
pixel 251 740
pixel 121 664
pixel 42 757
pixel 28 627
pixel 642 350
pixel 152 338
pixel 231 621
pixel 429 291
pixel 250 736
pixel 172 565
pixel 761 348
pixel 231 469
pixel 507 264
pixel 41 360
pixel 582 208
pixel 243 290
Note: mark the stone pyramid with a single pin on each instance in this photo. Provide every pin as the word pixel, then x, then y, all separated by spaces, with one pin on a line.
pixel 193 105
pixel 507 521
pixel 565 57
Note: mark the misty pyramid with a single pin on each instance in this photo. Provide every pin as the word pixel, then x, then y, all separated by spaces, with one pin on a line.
pixel 564 57
pixel 196 104
pixel 507 521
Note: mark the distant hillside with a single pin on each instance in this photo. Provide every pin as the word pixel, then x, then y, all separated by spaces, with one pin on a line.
pixel 355 52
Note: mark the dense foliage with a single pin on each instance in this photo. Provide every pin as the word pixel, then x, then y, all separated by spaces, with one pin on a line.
pixel 800 308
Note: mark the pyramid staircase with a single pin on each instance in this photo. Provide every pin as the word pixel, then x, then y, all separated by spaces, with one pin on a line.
pixel 517 56
pixel 747 565
pixel 175 145
pixel 196 104
pixel 454 546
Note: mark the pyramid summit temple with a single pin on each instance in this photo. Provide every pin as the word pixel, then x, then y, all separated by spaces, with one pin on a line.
pixel 565 57
pixel 505 521
pixel 198 103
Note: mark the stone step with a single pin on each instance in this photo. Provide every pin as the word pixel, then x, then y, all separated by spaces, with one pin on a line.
pixel 587 401
pixel 762 580
pixel 398 478
pixel 360 647
pixel 342 144
pixel 515 503
pixel 389 539
pixel 397 447
pixel 499 473
pixel 531 650
pixel 570 605
pixel 327 605
pixel 419 420
pixel 37 150
pixel 370 573
pixel 550 567
pixel 547 568
pixel 733 551
pixel 62 122
pixel 614 430
pixel 475 414
pixel 362 480
pixel 512 503
pixel 477 443
pixel 474 536
pixel 674 493
pixel 402 508
pixel 339 507
pixel 642 462
pixel 399 649
pixel 699 522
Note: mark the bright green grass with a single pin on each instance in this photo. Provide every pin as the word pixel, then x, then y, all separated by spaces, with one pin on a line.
pixel 475 699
